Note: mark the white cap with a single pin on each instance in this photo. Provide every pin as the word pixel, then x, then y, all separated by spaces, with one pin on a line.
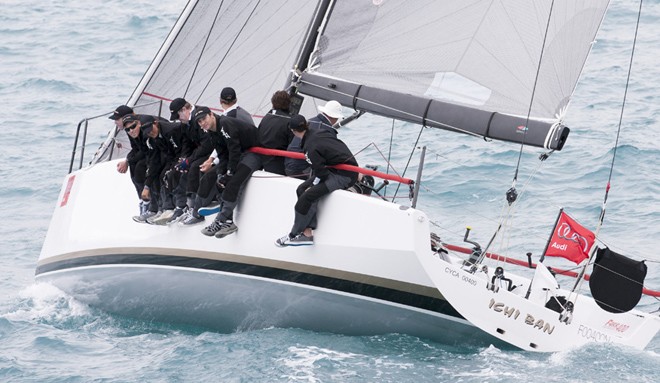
pixel 331 109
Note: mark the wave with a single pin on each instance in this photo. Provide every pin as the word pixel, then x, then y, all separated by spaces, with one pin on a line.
pixel 141 22
pixel 42 84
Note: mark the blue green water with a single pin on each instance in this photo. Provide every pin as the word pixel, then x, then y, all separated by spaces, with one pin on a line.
pixel 65 60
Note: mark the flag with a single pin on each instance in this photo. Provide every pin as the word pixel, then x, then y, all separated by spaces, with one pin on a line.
pixel 570 240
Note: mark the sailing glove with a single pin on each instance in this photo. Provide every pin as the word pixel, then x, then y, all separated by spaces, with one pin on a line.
pixel 224 179
pixel 182 166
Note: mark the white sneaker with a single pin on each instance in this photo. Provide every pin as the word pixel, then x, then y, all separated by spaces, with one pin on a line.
pixel 162 218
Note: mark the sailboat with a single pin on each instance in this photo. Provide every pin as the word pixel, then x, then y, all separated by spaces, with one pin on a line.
pixel 500 71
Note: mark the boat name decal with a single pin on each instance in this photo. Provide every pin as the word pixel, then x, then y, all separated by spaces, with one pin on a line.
pixel 464 278
pixel 591 334
pixel 613 325
pixel 514 313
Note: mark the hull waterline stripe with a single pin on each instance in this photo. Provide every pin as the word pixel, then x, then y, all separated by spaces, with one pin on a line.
pixel 367 290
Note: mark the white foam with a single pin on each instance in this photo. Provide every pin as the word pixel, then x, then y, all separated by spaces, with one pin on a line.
pixel 43 301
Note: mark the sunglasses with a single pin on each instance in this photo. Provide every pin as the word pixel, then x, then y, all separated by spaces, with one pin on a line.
pixel 130 127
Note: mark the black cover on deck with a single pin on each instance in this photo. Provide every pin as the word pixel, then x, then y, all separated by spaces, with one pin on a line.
pixel 616 282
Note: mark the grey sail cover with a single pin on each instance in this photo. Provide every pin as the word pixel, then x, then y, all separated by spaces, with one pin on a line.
pixel 478 55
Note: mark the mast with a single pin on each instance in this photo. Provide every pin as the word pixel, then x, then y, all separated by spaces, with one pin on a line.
pixel 322 12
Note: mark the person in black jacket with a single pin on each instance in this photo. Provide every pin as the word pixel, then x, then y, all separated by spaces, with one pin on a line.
pixel 231 138
pixel 199 150
pixel 322 149
pixel 328 115
pixel 274 132
pixel 151 158
pixel 136 161
pixel 170 141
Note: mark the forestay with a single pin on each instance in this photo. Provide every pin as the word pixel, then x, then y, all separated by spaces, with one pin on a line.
pixel 468 66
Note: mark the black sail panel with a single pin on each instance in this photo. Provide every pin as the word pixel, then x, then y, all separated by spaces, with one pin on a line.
pixel 616 282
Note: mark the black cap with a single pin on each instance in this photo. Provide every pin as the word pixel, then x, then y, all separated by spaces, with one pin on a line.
pixel 175 106
pixel 120 112
pixel 201 111
pixel 127 119
pixel 228 95
pixel 147 124
pixel 298 123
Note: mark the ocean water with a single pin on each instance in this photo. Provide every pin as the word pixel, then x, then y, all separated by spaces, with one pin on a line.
pixel 63 60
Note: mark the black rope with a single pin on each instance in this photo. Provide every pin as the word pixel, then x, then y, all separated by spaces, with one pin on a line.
pixel 623 105
pixel 426 112
pixel 531 101
pixel 490 120
pixel 228 50
pixel 355 97
pixel 185 93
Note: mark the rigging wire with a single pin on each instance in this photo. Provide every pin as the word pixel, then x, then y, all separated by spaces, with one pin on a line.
pixel 623 105
pixel 512 194
pixel 201 53
pixel 410 158
pixel 531 101
pixel 240 31
pixel 578 284
pixel 389 153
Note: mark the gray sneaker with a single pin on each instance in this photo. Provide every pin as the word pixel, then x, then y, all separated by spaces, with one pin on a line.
pixel 142 218
pixel 213 228
pixel 162 218
pixel 188 218
pixel 178 214
pixel 299 240
pixel 227 228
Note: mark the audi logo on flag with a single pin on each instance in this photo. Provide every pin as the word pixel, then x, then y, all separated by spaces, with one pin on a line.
pixel 565 231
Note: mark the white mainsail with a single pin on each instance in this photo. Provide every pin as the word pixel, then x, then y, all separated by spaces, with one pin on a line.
pixel 481 54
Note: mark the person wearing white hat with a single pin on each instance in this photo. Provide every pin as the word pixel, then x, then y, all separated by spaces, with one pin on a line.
pixel 331 112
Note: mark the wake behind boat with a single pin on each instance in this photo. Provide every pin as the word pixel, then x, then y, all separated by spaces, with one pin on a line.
pixel 378 271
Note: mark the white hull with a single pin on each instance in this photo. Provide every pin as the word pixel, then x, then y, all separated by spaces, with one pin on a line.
pixel 527 323
pixel 361 276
